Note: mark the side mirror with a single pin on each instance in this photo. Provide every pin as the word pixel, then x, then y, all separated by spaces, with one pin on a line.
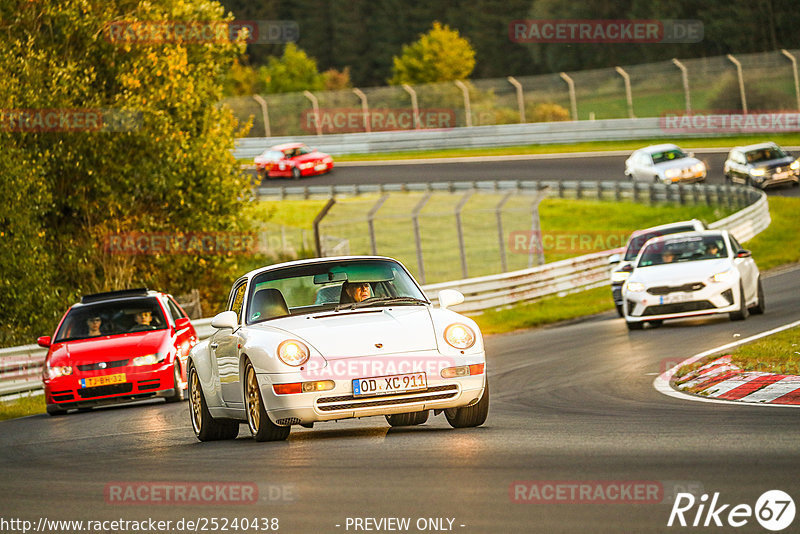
pixel 450 297
pixel 744 254
pixel 614 258
pixel 226 319
pixel 182 322
pixel 44 342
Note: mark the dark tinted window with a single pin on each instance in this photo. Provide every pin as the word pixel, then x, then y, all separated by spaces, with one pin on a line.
pixel 115 317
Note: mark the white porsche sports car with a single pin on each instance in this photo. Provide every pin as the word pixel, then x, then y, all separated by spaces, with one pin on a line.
pixel 690 274
pixel 335 338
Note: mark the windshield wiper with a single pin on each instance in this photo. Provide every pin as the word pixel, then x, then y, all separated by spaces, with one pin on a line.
pixel 377 301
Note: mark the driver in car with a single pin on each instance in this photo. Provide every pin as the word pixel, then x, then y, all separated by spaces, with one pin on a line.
pixel 143 319
pixel 355 292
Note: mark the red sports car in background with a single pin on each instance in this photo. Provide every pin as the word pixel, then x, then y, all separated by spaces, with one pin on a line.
pixel 117 346
pixel 292 160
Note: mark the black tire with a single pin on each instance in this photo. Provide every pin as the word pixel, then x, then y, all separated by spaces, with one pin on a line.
pixel 759 308
pixel 53 409
pixel 295 173
pixel 728 179
pixel 742 313
pixel 407 419
pixel 177 391
pixel 205 427
pixel 470 416
pixel 656 323
pixel 619 310
pixel 656 180
pixel 634 325
pixel 261 426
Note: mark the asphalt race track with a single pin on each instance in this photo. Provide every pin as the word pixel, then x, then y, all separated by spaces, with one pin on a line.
pixel 572 403
pixel 562 167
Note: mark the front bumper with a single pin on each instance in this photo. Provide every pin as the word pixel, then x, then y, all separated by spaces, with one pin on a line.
pixel 339 403
pixel 712 298
pixel 687 177
pixel 780 178
pixel 140 383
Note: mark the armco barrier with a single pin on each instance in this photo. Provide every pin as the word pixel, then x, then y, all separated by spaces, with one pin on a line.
pixel 21 367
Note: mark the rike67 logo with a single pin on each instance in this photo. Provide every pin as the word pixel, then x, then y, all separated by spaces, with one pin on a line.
pixel 774 510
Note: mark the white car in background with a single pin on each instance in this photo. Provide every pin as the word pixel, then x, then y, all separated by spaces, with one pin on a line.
pixel 664 164
pixel 335 338
pixel 691 274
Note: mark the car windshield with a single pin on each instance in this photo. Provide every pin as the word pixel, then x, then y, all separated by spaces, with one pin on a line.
pixel 330 285
pixel 765 154
pixel 299 151
pixel 683 249
pixel 111 318
pixel 668 155
pixel 638 241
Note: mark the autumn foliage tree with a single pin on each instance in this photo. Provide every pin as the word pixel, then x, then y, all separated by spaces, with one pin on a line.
pixel 159 161
pixel 441 55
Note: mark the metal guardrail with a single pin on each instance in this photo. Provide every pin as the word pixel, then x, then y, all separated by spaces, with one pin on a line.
pixel 21 367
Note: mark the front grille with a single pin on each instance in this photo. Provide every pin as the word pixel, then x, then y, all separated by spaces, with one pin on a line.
pixel 728 295
pixel 349 402
pixel 685 288
pixel 62 396
pixel 98 367
pixel 102 391
pixel 678 307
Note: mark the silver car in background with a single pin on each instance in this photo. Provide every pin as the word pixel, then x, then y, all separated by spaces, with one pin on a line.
pixel 664 164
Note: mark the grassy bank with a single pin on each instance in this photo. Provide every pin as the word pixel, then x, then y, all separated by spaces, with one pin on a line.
pixel 29 405
pixel 778 353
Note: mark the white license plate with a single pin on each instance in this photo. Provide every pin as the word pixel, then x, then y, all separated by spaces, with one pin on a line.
pixel 673 298
pixel 389 385
pixel 780 175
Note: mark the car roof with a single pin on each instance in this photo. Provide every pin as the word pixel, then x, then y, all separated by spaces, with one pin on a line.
pixel 658 148
pixel 117 296
pixel 701 233
pixel 311 261
pixel 757 146
pixel 665 227
pixel 286 146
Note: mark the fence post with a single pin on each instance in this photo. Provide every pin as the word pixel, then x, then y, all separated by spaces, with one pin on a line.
pixel 500 239
pixel 467 110
pixel 628 93
pixel 741 81
pixel 573 102
pixel 364 108
pixel 414 105
pixel 685 78
pixel 460 230
pixel 264 114
pixel 315 104
pixel 536 227
pixel 794 72
pixel 317 220
pixel 520 98
pixel 371 222
pixel 417 235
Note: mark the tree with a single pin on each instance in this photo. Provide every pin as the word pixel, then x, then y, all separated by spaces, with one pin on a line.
pixel 159 161
pixel 293 71
pixel 441 55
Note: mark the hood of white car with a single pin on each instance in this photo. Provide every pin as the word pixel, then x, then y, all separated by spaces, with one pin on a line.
pixel 368 331
pixel 679 273
pixel 682 163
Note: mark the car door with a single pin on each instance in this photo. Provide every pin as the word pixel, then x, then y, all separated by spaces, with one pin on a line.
pixel 748 270
pixel 225 351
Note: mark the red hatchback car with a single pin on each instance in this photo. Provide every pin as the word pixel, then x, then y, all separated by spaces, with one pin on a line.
pixel 292 160
pixel 115 347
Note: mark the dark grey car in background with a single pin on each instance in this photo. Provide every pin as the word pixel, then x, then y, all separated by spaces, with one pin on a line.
pixel 761 165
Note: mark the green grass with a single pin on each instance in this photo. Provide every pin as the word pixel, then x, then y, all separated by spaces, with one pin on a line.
pixel 789 139
pixel 21 407
pixel 778 353
pixel 779 244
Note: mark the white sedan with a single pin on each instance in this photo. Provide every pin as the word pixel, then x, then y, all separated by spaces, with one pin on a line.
pixel 664 164
pixel 335 338
pixel 690 274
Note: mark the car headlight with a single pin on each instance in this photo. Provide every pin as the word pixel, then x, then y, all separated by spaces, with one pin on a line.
pixel 147 359
pixel 293 352
pixel 724 276
pixel 795 165
pixel 672 173
pixel 306 165
pixel 59 370
pixel 459 336
pixel 635 287
pixel 757 172
pixel 698 167
pixel 620 276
